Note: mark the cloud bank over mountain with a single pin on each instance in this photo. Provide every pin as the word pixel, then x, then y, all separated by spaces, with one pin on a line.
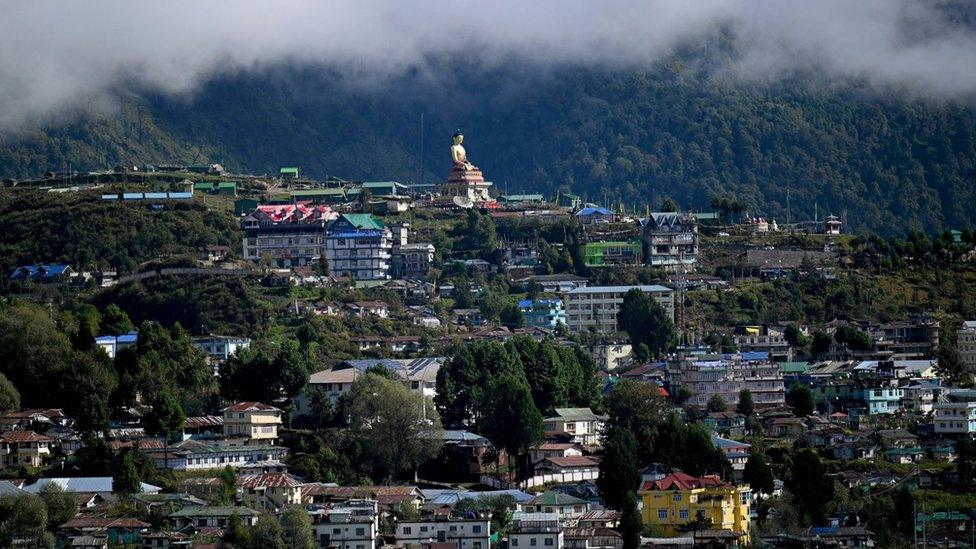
pixel 68 55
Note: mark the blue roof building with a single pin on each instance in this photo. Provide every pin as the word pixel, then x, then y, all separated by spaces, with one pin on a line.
pixel 113 344
pixel 543 313
pixel 42 273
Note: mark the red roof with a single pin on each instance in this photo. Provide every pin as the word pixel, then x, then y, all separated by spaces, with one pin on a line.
pixel 250 407
pixel 23 436
pixel 268 480
pixel 203 421
pixel 549 446
pixel 29 413
pixel 105 522
pixel 573 461
pixel 684 481
pixel 294 213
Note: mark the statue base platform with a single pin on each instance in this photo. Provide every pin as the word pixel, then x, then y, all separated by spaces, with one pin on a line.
pixel 467 183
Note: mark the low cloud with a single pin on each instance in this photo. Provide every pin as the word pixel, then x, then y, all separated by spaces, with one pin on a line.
pixel 67 55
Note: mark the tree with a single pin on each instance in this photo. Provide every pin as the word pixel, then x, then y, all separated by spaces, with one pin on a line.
pixel 23 517
pixel 638 409
pixel 363 200
pixel 511 316
pixel 745 405
pixel 511 419
pixel 630 522
pixel 115 321
pixel 801 399
pixel 395 426
pixel 236 534
pixel 619 470
pixel 668 205
pixel 9 396
pixel 716 404
pixel 820 343
pixel 758 475
pixel 796 338
pixel 228 486
pixel 296 528
pixel 165 417
pixel 61 506
pixel 266 533
pixel 125 479
pixel 812 489
pixel 966 461
pixel 646 321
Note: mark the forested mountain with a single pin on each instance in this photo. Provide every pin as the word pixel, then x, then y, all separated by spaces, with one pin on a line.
pixel 883 161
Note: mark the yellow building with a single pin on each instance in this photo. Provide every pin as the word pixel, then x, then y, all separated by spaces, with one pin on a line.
pixel 252 421
pixel 674 501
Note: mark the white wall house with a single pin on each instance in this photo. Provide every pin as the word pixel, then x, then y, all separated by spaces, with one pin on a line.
pixel 466 533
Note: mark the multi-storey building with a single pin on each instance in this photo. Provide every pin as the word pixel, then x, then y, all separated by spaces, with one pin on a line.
pixel 671 502
pixel 581 423
pixel 353 525
pixel 220 348
pixel 543 313
pixel 290 235
pixel 412 261
pixel 535 530
pixel 256 422
pixel 672 240
pixel 462 533
pixel 360 247
pixel 272 491
pixel 727 375
pixel 24 448
pixel 612 253
pixel 767 339
pixel 957 416
pixel 966 342
pixel 419 375
pixel 596 306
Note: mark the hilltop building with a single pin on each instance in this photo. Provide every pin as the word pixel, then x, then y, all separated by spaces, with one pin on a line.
pixel 671 239
pixel 726 375
pixel 360 247
pixel 675 501
pixel 291 235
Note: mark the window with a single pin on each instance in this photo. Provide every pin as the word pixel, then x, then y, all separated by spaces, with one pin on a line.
pixel 683 514
pixel 476 528
pixel 336 531
pixel 676 496
pixel 662 514
pixel 548 542
pixel 408 530
pixel 514 542
pixel 532 542
pixel 360 531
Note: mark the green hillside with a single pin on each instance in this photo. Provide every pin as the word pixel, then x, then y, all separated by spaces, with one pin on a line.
pixel 884 163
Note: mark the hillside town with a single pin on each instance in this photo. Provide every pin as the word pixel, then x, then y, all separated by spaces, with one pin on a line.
pixel 444 366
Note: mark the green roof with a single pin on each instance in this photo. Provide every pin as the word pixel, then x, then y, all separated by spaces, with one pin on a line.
pixel 208 511
pixel 319 192
pixel 554 497
pixel 202 186
pixel 227 185
pixel 289 170
pixel 793 367
pixel 381 184
pixel 363 221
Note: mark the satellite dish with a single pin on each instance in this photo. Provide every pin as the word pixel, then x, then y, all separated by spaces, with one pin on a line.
pixel 463 202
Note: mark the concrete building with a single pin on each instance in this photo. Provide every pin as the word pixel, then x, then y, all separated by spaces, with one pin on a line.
pixel 113 344
pixel 24 449
pixel 535 530
pixel 220 348
pixel 412 261
pixel 726 376
pixel 954 418
pixel 671 240
pixel 675 500
pixel 255 422
pixel 966 342
pixel 351 525
pixel 270 491
pixel 543 313
pixel 289 235
pixel 360 247
pixel 766 339
pixel 465 533
pixel 582 424
pixel 419 375
pixel 596 306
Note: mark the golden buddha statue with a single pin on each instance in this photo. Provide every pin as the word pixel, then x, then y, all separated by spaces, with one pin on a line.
pixel 458 154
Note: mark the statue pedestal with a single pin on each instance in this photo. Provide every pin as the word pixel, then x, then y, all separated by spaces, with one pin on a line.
pixel 467 183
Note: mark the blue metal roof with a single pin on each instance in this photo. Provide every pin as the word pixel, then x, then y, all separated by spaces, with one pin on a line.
pixel 35 272
pixel 594 211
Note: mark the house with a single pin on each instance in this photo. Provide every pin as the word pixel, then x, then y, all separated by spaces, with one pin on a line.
pixel 554 283
pixel 220 348
pixel 568 508
pixel 785 427
pixel 904 455
pixel 853 451
pixel 599 518
pixel 727 423
pixel 359 246
pixel 539 530
pixel 461 533
pixel 205 516
pixel 547 314
pixel 554 449
pixel 386 497
pixel 161 505
pixel 289 172
pixel 270 491
pixel 612 253
pixel 595 214
pixel 113 344
pixel 24 448
pixel 352 525
pixel 203 427
pixel 117 531
pixel 678 499
pixel 955 418
pixel 254 421
pixel 610 355
pixel 214 253
pixel 581 424
pixel 31 417
pixel 570 468
pixel 419 375
pixel 85 485
pixel 736 452
pixel 581 537
pixel 468 317
pixel 42 274
pixel 726 375
pixel 412 261
pixel 191 455
pixel 596 306
pixel 365 309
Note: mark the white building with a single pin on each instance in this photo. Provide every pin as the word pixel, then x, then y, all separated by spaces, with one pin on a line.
pixel 354 525
pixel 954 418
pixel 966 342
pixel 360 247
pixel 581 423
pixel 257 423
pixel 466 533
pixel 113 344
pixel 290 235
pixel 726 376
pixel 220 348
pixel 419 375
pixel 672 239
pixel 535 531
pixel 596 306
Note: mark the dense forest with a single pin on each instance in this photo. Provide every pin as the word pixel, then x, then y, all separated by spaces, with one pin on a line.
pixel 789 150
